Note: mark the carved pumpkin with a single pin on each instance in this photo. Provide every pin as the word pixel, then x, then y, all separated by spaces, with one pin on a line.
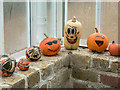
pixel 23 64
pixel 114 49
pixel 97 42
pixel 33 53
pixel 7 65
pixel 72 33
pixel 50 46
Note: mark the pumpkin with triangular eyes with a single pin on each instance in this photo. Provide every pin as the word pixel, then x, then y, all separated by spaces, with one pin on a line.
pixel 50 46
pixel 97 42
pixel 72 33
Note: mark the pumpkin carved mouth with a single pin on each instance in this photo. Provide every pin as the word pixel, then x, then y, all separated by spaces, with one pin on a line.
pixel 99 43
pixel 53 50
pixel 72 41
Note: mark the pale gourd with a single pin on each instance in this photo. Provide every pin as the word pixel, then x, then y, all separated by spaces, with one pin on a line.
pixel 72 34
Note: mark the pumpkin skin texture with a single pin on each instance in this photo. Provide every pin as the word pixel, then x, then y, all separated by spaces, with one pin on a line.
pixel 50 46
pixel 8 66
pixel 97 42
pixel 114 49
pixel 72 34
pixel 33 53
pixel 23 64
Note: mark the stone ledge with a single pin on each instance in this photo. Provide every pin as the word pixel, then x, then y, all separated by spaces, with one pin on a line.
pixel 48 66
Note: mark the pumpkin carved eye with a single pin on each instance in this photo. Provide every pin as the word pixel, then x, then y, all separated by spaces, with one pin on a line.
pixel 69 30
pixel 55 41
pixel 74 31
pixel 50 43
pixel 102 37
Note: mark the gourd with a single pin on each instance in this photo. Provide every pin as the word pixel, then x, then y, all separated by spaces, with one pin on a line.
pixel 114 49
pixel 33 53
pixel 7 65
pixel 97 42
pixel 50 46
pixel 23 64
pixel 72 33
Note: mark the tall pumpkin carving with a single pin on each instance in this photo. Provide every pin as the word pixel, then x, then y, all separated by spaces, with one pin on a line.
pixel 72 33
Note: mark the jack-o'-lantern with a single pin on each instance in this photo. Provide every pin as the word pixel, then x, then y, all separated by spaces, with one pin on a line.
pixel 33 53
pixel 7 65
pixel 114 49
pixel 23 64
pixel 72 33
pixel 50 46
pixel 97 42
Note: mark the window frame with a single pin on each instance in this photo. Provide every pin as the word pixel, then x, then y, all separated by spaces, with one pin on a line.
pixel 59 26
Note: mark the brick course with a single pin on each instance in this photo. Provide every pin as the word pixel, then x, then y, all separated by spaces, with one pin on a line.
pixel 110 80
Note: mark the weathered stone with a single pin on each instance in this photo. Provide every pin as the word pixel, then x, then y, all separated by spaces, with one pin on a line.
pixel 80 60
pixel 14 81
pixel 45 67
pixel 59 78
pixel 44 86
pixel 100 62
pixel 115 65
pixel 79 85
pixel 85 75
pixel 33 76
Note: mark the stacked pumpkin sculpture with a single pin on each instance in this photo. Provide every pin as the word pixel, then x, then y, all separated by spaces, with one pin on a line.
pixel 7 65
pixel 50 46
pixel 114 49
pixel 72 33
pixel 97 42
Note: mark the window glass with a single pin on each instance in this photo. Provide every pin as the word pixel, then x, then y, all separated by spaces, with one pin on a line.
pixel 15 26
pixel 85 13
pixel 110 20
pixel 44 16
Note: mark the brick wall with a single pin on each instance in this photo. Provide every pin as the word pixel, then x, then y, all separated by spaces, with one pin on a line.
pixel 69 69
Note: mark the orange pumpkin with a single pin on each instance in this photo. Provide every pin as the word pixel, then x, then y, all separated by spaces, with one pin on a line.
pixel 50 46
pixel 97 42
pixel 114 49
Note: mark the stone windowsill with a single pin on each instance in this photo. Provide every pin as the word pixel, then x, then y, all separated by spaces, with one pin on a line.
pixel 42 72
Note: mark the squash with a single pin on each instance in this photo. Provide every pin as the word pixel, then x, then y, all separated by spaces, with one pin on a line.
pixel 50 46
pixel 8 65
pixel 23 64
pixel 72 34
pixel 97 42
pixel 114 49
pixel 33 53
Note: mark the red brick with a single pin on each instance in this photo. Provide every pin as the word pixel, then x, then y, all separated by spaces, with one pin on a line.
pixel 110 80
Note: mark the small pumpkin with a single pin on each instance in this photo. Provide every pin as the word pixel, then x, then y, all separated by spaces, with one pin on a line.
pixel 23 64
pixel 114 49
pixel 33 53
pixel 50 46
pixel 72 33
pixel 97 42
pixel 7 65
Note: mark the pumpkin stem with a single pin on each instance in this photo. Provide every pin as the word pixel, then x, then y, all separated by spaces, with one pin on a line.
pixel 96 30
pixel 46 35
pixel 113 41
pixel 74 19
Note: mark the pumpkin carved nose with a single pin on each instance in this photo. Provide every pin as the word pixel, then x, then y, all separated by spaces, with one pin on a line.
pixel 71 36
